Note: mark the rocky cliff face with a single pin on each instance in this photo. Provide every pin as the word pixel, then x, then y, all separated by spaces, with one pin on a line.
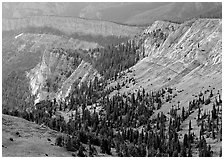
pixel 193 40
pixel 71 25
pixel 84 72
pixel 55 74
pixel 176 53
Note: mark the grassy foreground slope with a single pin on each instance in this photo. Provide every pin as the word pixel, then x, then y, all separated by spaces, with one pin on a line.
pixel 22 138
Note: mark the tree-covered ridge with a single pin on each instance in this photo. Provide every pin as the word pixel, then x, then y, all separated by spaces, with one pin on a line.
pixel 115 59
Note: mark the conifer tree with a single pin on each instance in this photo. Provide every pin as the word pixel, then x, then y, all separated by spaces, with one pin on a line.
pixel 183 114
pixel 189 152
pixel 190 128
pixel 183 152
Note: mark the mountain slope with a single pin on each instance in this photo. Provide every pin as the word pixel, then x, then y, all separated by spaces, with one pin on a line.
pixel 186 58
pixel 173 51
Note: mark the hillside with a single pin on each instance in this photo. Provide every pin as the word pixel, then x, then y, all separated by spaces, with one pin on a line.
pixel 186 58
pixel 28 139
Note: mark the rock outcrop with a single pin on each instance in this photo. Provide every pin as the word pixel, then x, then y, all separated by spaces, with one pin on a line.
pixel 193 40
pixel 55 74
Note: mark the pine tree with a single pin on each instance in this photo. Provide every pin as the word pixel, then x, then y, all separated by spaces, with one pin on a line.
pixel 190 128
pixel 189 152
pixel 199 113
pixel 185 141
pixel 68 144
pixel 211 94
pixel 202 126
pixel 213 131
pixel 58 141
pixel 183 152
pixel 183 114
pixel 80 152
pixel 175 154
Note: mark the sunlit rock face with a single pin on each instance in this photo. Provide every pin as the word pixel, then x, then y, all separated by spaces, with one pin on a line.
pixel 55 74
pixel 193 40
pixel 179 55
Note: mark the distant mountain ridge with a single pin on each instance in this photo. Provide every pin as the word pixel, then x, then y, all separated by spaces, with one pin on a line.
pixel 71 25
pixel 138 13
pixel 178 12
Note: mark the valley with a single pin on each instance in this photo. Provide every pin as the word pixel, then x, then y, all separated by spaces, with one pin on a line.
pixel 89 88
